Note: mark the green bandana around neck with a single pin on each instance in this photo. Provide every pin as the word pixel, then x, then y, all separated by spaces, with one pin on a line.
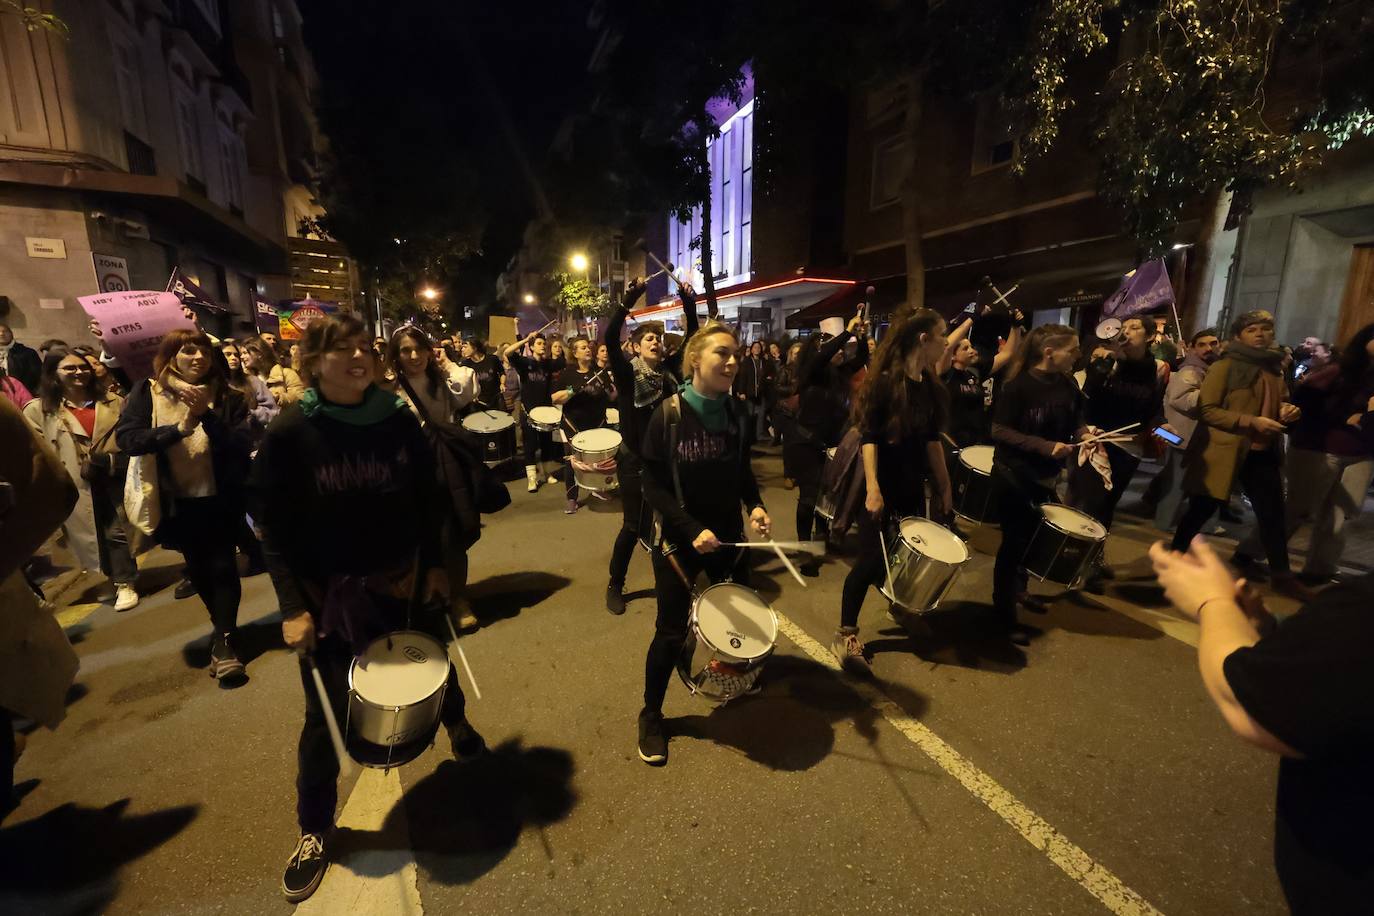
pixel 711 410
pixel 1247 361
pixel 376 406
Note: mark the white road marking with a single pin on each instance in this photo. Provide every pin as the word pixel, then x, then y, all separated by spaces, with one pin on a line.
pixel 379 882
pixel 1091 875
pixel 1185 631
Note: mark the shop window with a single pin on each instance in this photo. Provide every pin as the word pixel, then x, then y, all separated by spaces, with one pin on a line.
pixel 890 162
pixel 994 144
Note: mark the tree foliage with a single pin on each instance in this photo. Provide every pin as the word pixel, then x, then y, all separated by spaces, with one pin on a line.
pixel 33 18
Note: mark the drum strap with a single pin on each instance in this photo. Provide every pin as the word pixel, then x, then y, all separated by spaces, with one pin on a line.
pixel 672 412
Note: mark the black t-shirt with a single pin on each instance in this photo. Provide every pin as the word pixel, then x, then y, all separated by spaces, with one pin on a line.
pixel 902 462
pixel 968 413
pixel 1123 391
pixel 713 468
pixel 1034 411
pixel 488 372
pixel 586 409
pixel 536 379
pixel 1311 684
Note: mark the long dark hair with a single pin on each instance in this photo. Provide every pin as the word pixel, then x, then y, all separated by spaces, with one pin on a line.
pixel 1355 360
pixel 261 350
pixel 50 384
pixel 393 353
pixel 884 387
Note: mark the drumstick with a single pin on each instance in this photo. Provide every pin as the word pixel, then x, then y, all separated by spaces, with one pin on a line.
pixel 788 563
pixel 462 656
pixel 1113 432
pixel 335 736
pixel 816 548
pixel 887 567
pixel 1102 440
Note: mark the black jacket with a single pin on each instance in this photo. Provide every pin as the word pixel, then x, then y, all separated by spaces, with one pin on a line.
pixel 26 366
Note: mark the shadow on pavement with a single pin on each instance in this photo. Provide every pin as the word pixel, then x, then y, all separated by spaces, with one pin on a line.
pixel 1075 612
pixel 67 860
pixel 790 724
pixel 962 633
pixel 505 596
pixel 154 579
pixel 464 818
pixel 255 638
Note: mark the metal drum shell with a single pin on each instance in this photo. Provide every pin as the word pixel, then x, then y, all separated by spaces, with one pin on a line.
pixel 1055 554
pixel 973 491
pixel 596 481
pixel 498 445
pixel 825 500
pixel 552 421
pixel 712 672
pixel 379 735
pixel 921 581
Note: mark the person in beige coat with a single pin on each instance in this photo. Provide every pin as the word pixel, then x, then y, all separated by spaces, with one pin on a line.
pixel 77 416
pixel 283 382
pixel 1243 411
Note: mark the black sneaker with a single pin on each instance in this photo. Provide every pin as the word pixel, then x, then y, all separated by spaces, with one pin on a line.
pixel 184 589
pixel 225 665
pixel 465 741
pixel 305 869
pixel 615 598
pixel 653 742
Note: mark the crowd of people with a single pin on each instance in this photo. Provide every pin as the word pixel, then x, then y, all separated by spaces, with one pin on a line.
pixel 333 463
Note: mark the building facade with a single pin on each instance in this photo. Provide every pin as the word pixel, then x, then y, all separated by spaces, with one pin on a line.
pixel 159 135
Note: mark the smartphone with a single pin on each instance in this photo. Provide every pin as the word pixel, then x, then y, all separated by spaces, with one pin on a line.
pixel 1170 437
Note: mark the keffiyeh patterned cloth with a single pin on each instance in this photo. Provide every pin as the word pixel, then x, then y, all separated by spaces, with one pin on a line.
pixel 1096 455
pixel 648 383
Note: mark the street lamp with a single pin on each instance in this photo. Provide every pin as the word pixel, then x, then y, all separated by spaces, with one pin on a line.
pixel 429 293
pixel 529 298
pixel 579 262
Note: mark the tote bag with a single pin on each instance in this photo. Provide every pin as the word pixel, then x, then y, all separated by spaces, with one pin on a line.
pixel 142 502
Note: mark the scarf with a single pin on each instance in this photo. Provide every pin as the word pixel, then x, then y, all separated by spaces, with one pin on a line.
pixel 376 406
pixel 648 383
pixel 1247 362
pixel 711 410
pixel 188 459
pixel 1194 361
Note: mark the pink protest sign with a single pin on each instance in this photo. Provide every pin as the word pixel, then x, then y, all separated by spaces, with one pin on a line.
pixel 133 323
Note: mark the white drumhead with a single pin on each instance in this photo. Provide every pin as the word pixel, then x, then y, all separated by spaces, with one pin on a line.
pixel 933 540
pixel 596 440
pixel 735 620
pixel 488 421
pixel 400 669
pixel 549 416
pixel 1071 521
pixel 612 416
pixel 978 458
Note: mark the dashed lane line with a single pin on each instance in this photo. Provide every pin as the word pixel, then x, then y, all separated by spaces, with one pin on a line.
pixel 1091 875
pixel 378 882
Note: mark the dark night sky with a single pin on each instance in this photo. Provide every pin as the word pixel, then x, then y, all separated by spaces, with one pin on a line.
pixel 403 94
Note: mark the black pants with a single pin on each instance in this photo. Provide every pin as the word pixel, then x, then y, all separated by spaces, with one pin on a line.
pixel 1261 477
pixel 317 773
pixel 1019 503
pixel 206 535
pixel 870 566
pixel 248 544
pixel 1090 495
pixel 6 756
pixel 107 502
pixel 569 477
pixel 675 607
pixel 538 439
pixel 628 470
pixel 808 465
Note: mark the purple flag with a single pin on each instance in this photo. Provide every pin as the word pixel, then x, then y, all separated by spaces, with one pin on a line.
pixel 266 314
pixel 1142 290
pixel 191 294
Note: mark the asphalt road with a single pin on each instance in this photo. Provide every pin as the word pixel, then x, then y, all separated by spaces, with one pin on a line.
pixel 1086 774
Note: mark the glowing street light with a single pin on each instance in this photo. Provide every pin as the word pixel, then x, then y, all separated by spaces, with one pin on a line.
pixel 579 262
pixel 429 293
pixel 529 298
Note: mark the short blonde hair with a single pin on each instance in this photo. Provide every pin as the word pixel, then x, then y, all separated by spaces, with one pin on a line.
pixel 697 343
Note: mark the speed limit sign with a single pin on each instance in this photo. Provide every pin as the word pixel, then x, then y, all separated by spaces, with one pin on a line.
pixel 111 273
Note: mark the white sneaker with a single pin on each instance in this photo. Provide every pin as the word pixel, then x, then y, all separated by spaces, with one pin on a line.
pixel 125 597
pixel 553 475
pixel 532 476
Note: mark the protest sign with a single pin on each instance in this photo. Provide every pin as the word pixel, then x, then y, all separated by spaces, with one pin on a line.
pixel 133 323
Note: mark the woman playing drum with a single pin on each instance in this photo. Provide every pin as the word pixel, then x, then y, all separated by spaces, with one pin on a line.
pixel 584 393
pixel 1036 417
pixel 346 491
pixel 900 412
pixel 696 476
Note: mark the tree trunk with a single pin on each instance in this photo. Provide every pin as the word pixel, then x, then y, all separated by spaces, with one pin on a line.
pixel 911 198
pixel 1197 292
pixel 708 273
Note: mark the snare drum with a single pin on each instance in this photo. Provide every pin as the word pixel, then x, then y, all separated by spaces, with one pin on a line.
pixel 825 499
pixel 973 490
pixel 546 419
pixel 496 429
pixel 395 691
pixel 593 464
pixel 732 633
pixel 613 417
pixel 924 564
pixel 1065 545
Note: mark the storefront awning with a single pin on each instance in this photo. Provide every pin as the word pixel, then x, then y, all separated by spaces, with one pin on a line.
pixel 758 292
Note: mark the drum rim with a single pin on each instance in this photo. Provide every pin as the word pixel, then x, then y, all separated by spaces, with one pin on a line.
pixel 603 448
pixel 726 650
pixel 963 544
pixel 979 449
pixel 1073 534
pixel 353 666
pixel 501 415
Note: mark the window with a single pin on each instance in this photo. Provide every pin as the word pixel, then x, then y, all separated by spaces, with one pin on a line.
pixel 890 164
pixel 994 145
pixel 617 248
pixel 188 135
pixel 129 84
pixel 231 154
